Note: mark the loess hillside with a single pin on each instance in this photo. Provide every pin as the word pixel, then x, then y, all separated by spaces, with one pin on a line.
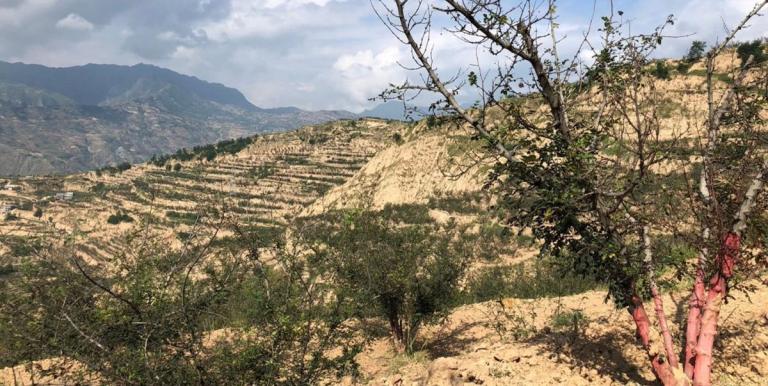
pixel 262 185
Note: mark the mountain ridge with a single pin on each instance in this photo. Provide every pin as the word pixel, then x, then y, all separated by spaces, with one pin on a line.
pixel 91 84
pixel 72 119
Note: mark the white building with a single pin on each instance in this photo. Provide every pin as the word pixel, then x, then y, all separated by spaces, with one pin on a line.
pixel 64 196
pixel 15 188
pixel 6 207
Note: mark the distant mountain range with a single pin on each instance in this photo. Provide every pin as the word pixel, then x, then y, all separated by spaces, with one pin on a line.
pixel 63 120
pixel 395 110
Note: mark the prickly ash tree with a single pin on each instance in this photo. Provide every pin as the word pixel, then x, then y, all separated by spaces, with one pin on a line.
pixel 584 172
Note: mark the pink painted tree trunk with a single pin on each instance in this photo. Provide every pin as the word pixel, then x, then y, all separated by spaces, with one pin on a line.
pixel 718 286
pixel 660 367
pixel 693 325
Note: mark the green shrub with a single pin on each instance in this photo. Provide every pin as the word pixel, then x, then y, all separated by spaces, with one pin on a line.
pixel 295 160
pixel 158 161
pixel 753 49
pixel 38 213
pixel 188 218
pixel 569 319
pixel 206 152
pixel 121 167
pixel 154 327
pixel 660 70
pixel 405 213
pixel 405 273
pixel 683 67
pixel 464 203
pixel 316 138
pixel 119 217
pixel 261 171
pixel 100 188
pixel 22 246
pixel 7 270
pixel 696 52
pixel 488 284
pixel 539 280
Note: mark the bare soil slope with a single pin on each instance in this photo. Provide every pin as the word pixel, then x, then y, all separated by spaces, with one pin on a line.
pixel 477 345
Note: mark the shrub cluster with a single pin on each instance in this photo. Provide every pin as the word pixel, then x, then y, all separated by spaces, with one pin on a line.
pixel 119 217
pixel 112 170
pixel 205 152
pixel 396 264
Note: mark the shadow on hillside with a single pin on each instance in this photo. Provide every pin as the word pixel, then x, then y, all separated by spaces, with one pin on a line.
pixel 602 353
pixel 452 342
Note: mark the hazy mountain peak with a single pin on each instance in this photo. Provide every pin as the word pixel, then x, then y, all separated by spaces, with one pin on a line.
pixel 93 84
pixel 58 120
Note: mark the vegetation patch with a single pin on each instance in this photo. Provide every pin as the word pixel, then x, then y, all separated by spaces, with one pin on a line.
pixel 119 217
pixel 524 281
pixel 188 218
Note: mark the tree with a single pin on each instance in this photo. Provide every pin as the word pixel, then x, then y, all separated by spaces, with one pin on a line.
pixel 396 264
pixel 753 49
pixel 587 173
pixel 696 52
pixel 660 70
pixel 694 55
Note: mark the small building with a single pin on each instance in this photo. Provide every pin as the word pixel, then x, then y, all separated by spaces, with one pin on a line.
pixel 64 196
pixel 6 207
pixel 15 188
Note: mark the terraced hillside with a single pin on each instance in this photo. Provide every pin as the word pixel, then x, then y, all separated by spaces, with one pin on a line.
pixel 261 186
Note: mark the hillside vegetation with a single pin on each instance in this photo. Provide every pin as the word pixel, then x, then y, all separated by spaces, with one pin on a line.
pixel 262 182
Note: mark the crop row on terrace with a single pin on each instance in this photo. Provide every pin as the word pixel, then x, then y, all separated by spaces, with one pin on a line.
pixel 260 186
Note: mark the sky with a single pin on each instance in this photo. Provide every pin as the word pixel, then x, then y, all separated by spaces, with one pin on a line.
pixel 313 54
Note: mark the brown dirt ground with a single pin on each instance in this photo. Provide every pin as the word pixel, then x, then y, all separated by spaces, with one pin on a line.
pixel 468 349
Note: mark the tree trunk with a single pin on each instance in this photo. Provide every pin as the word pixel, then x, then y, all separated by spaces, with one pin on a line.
pixel 661 368
pixel 718 287
pixel 658 302
pixel 695 304
pixel 666 335
pixel 398 336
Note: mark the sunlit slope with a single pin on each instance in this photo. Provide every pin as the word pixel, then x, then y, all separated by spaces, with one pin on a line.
pixel 262 185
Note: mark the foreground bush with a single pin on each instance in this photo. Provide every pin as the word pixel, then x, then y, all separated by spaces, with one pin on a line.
pixel 192 317
pixel 395 264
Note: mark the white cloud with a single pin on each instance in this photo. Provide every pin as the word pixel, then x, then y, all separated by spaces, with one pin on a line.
pixel 364 74
pixel 184 53
pixel 294 3
pixel 272 18
pixel 75 22
pixel 314 54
